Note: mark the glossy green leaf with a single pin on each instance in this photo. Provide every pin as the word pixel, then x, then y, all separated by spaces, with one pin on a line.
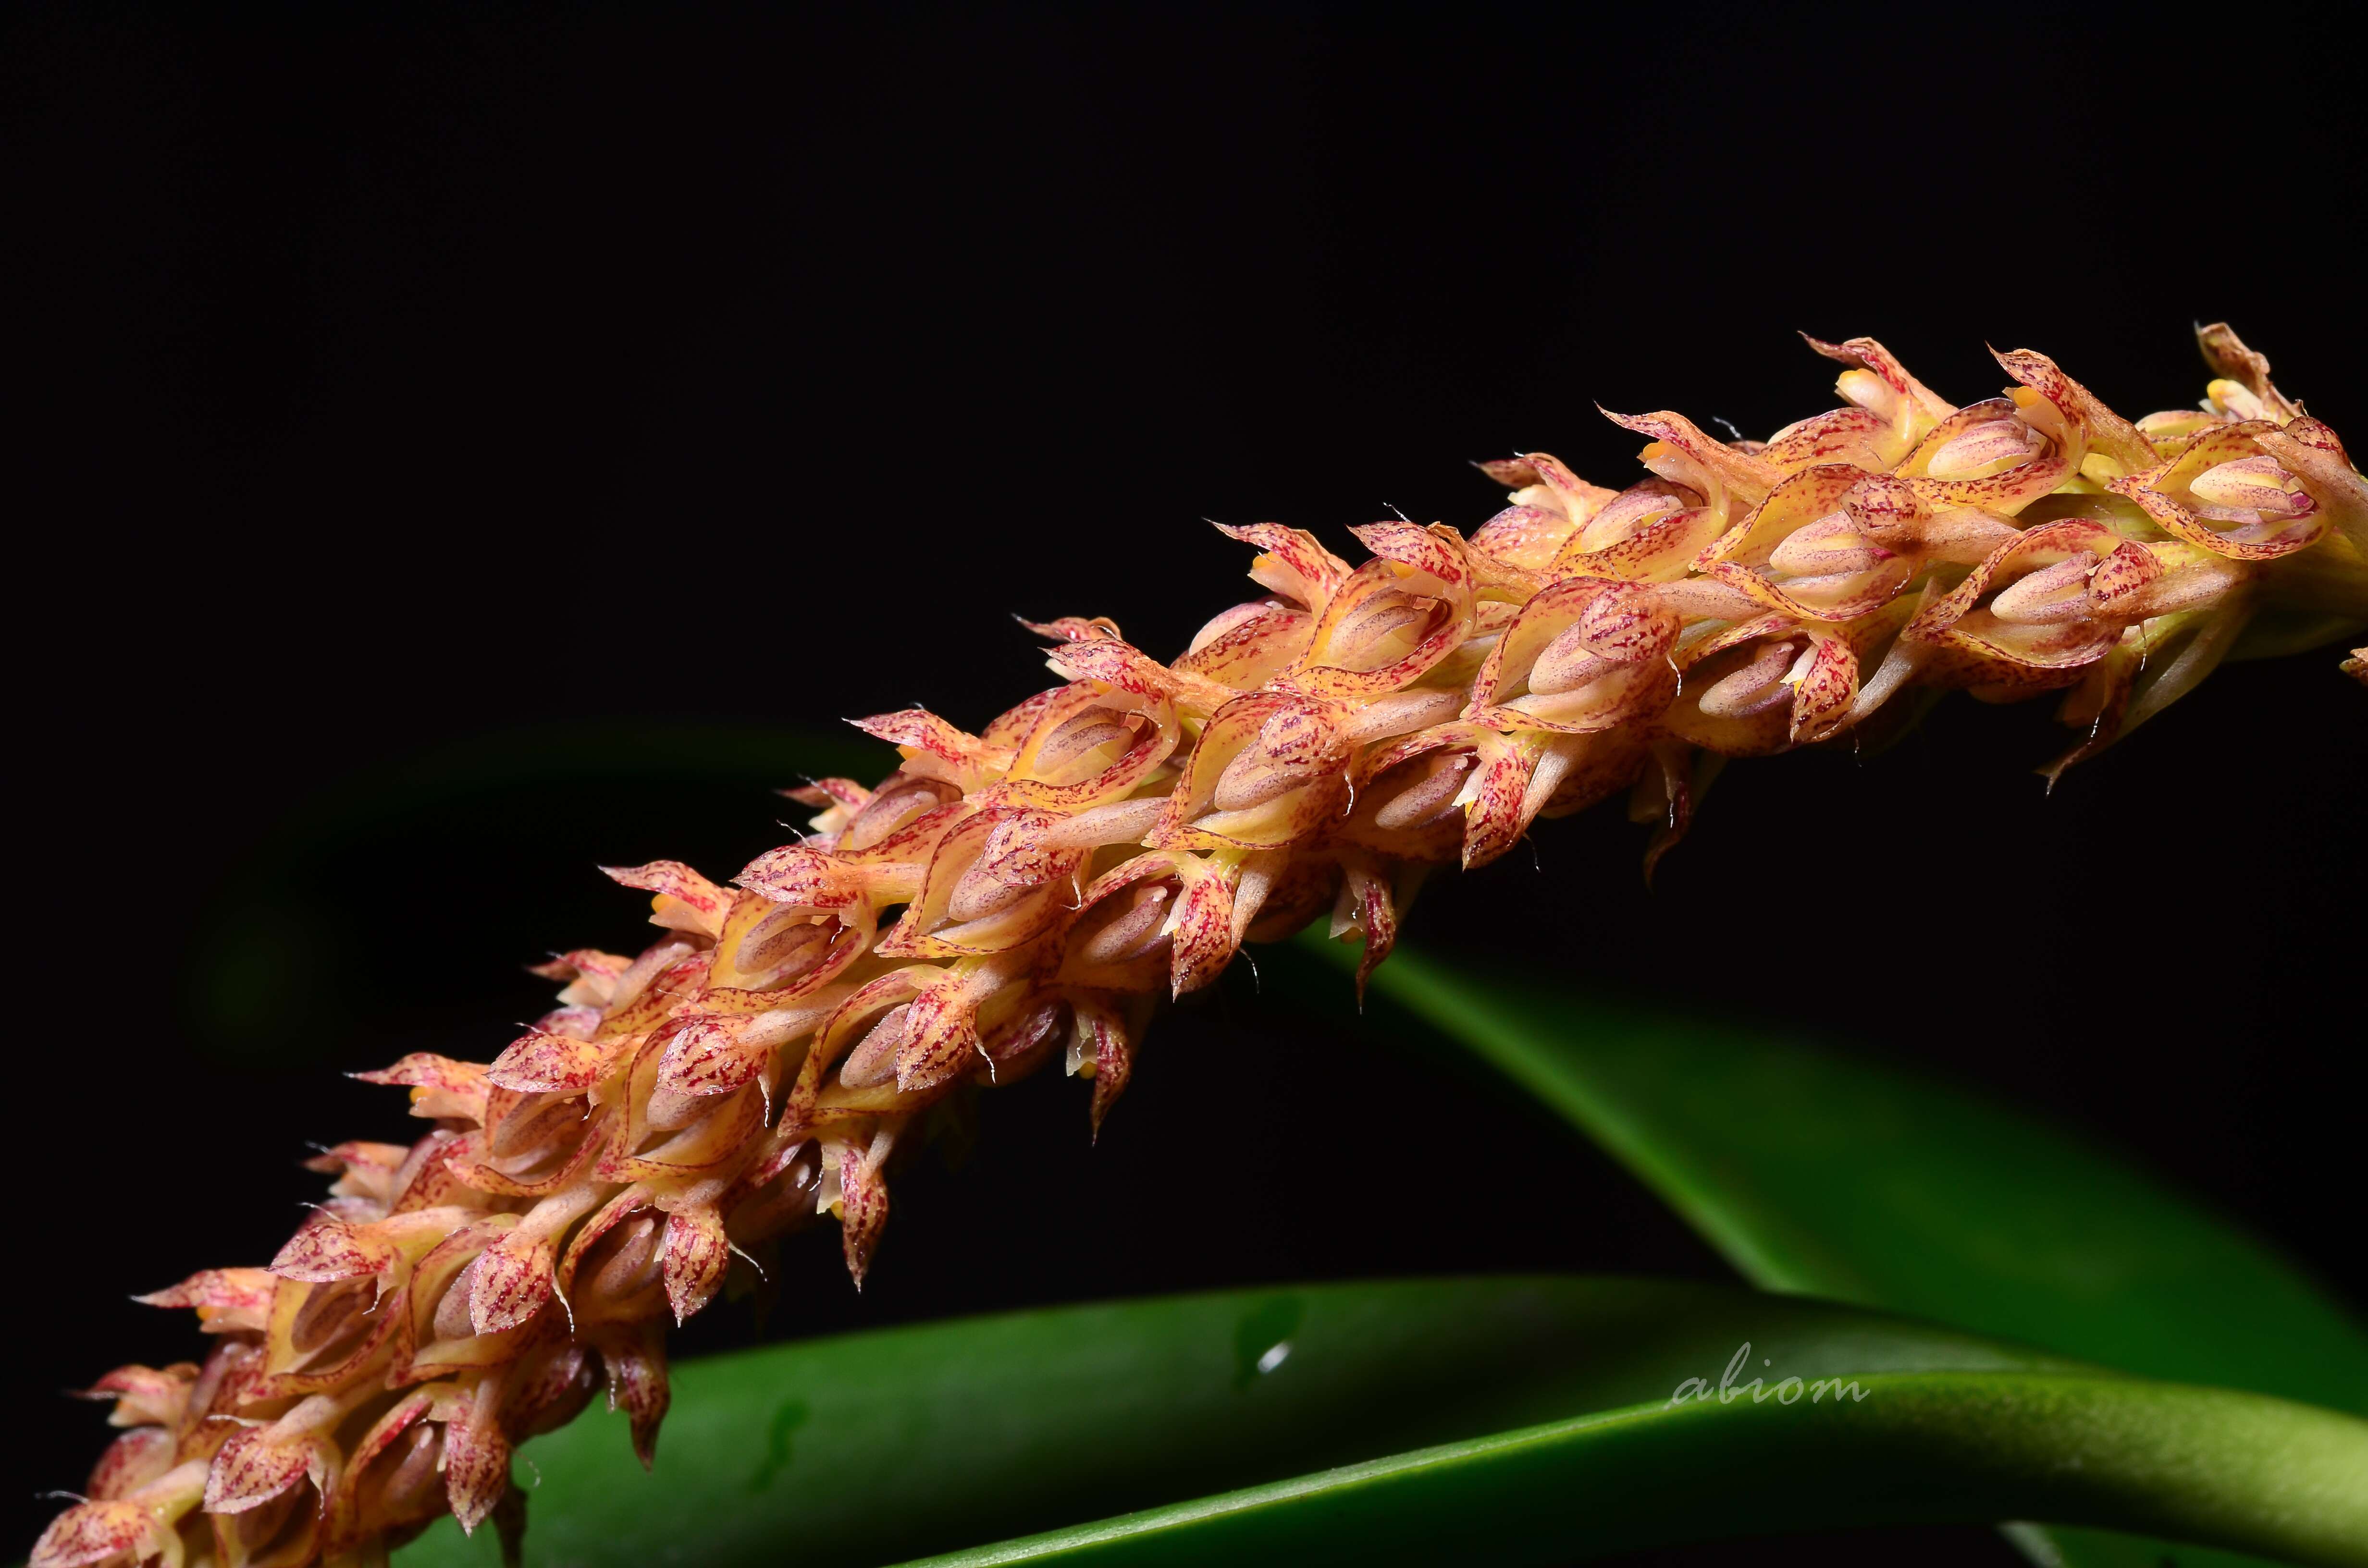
pixel 2208 1463
pixel 1530 1418
pixel 1834 1177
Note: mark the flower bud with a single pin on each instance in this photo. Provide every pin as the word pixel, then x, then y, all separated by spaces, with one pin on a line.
pixel 1393 619
pixel 1550 506
pixel 1270 767
pixel 1891 412
pixel 137 1528
pixel 1585 655
pixel 1249 644
pixel 1990 456
pixel 1091 745
pixel 2226 494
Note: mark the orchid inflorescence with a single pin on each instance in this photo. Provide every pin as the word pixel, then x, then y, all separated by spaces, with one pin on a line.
pixel 1316 750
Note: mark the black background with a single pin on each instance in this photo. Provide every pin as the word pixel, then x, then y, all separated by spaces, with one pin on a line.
pixel 461 450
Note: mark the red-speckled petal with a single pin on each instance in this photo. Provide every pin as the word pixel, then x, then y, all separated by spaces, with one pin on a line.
pixel 511 1282
pixel 1127 669
pixel 1111 1045
pixel 2309 450
pixel 707 1056
pixel 227 1301
pixel 1749 477
pixel 693 1258
pixel 1866 354
pixel 925 739
pixel 1073 627
pixel 864 1198
pixel 1828 686
pixel 101 1535
pixel 439 1086
pixel 133 1461
pixel 2107 433
pixel 1959 618
pixel 476 1458
pixel 2228 356
pixel 1201 941
pixel 254 1466
pixel 685 899
pixel 803 879
pixel 1801 498
pixel 1368 912
pixel 541 1061
pixel 325 1248
pixel 636 1365
pixel 144 1395
pixel 1291 562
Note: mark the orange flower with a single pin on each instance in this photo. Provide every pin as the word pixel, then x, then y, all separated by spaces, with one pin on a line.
pixel 1026 895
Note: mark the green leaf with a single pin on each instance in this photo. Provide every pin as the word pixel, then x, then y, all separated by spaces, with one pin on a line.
pixel 1960 1447
pixel 1824 1175
pixel 1529 1418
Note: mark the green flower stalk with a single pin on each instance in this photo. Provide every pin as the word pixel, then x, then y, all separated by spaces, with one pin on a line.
pixel 1025 895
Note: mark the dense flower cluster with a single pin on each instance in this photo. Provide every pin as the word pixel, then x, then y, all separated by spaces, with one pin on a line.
pixel 1313 754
